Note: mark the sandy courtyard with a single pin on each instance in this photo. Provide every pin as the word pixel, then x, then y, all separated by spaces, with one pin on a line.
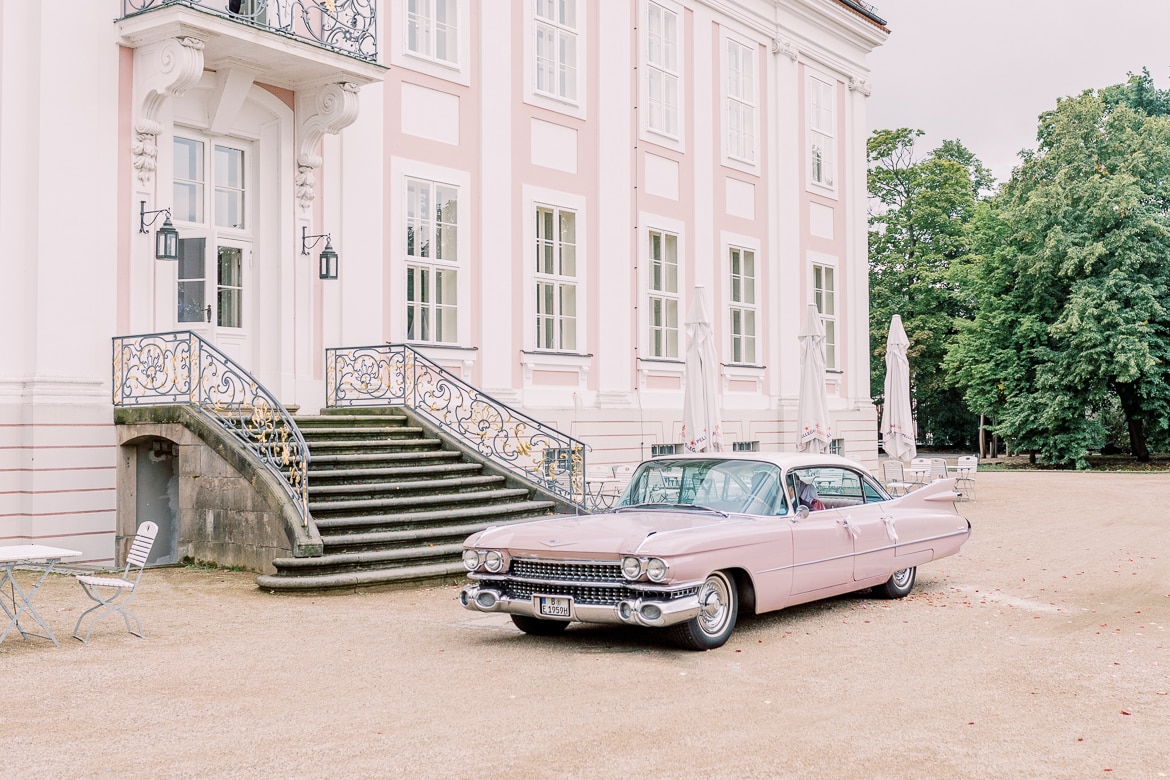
pixel 1040 651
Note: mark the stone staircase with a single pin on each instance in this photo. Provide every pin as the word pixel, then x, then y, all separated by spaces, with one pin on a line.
pixel 393 502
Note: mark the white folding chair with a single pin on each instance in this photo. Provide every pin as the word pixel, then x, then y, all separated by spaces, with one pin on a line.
pixel 107 591
pixel 938 469
pixel 894 477
pixel 919 470
pixel 965 470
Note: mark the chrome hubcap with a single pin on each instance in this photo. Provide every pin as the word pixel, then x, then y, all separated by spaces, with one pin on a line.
pixel 714 598
pixel 902 578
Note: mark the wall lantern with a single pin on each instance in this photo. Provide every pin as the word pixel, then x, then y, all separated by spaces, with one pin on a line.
pixel 328 259
pixel 166 238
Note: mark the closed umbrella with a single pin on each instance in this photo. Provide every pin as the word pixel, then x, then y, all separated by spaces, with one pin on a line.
pixel 897 418
pixel 812 415
pixel 700 421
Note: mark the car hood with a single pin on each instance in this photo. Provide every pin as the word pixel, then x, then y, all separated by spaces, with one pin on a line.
pixel 617 532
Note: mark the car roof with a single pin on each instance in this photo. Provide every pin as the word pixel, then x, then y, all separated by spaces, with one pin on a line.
pixel 785 460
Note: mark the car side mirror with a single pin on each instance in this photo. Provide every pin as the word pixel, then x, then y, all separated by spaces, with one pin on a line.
pixel 802 512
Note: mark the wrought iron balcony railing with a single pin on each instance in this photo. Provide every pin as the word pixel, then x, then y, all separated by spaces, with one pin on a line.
pixel 345 26
pixel 183 368
pixel 398 375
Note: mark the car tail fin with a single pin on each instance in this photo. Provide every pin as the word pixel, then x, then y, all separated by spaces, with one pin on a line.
pixel 942 490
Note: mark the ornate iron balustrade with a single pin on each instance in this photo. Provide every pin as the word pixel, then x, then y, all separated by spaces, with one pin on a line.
pixel 398 375
pixel 183 368
pixel 345 26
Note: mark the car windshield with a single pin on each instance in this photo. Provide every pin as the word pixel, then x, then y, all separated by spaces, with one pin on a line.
pixel 744 486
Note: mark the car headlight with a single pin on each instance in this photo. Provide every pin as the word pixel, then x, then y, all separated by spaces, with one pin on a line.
pixel 657 570
pixel 631 567
pixel 495 561
pixel 471 559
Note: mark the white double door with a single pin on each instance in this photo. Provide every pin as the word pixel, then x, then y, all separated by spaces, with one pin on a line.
pixel 213 212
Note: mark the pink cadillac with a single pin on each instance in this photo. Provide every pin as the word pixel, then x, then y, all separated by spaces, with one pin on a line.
pixel 697 538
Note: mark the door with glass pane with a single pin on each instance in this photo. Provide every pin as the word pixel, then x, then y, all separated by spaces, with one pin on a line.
pixel 211 210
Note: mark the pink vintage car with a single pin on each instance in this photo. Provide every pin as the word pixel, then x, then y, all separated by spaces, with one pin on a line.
pixel 698 538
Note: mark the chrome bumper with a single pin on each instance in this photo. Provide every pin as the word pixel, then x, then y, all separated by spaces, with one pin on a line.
pixel 652 613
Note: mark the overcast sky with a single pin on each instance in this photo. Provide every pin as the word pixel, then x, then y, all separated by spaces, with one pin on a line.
pixel 983 71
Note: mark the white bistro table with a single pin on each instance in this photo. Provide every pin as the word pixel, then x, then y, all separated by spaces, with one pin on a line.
pixel 38 556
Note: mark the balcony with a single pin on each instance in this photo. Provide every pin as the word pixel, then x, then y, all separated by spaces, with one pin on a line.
pixel 284 43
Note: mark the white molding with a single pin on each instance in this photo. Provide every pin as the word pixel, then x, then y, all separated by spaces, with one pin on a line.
pixel 325 109
pixel 161 71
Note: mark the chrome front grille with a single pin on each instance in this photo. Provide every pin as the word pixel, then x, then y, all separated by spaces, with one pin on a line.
pixel 561 571
pixel 581 594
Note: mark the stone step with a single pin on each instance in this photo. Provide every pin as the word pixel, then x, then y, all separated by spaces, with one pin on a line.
pixel 317 461
pixel 362 578
pixel 396 521
pixel 433 473
pixel 380 418
pixel 313 434
pixel 364 506
pixel 374 445
pixel 394 539
pixel 455 484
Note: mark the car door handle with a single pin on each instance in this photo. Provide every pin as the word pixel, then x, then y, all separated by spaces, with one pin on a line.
pixel 850 526
pixel 888 522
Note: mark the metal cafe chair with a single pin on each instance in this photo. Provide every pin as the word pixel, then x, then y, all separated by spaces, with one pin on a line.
pixel 114 594
pixel 965 470
pixel 894 478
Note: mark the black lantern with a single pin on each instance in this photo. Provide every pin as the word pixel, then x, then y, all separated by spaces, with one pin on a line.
pixel 166 238
pixel 328 259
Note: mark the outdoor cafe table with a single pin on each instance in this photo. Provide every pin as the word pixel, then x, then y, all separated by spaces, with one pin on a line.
pixel 36 556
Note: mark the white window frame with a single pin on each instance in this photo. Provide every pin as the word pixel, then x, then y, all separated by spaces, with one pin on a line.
pixel 559 281
pixel 821 121
pixel 827 297
pixel 662 72
pixel 402 170
pixel 740 102
pixel 426 15
pixel 669 299
pixel 743 307
pixel 552 23
pixel 457 70
pixel 533 21
pixel 432 266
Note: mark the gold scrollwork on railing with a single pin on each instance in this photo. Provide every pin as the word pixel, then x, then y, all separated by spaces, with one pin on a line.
pixel 397 375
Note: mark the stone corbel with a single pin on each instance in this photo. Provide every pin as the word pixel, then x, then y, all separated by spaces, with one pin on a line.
pixel 785 47
pixel 860 85
pixel 327 109
pixel 161 70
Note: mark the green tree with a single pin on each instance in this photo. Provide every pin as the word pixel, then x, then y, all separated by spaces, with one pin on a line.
pixel 919 212
pixel 1073 281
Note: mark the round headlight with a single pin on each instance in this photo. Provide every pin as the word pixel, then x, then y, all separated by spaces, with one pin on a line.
pixel 471 559
pixel 631 568
pixel 656 569
pixel 493 561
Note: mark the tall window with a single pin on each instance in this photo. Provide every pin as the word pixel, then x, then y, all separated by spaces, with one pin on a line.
pixel 663 70
pixel 742 263
pixel 825 297
pixel 663 294
pixel 210 289
pixel 556 48
pixel 822 111
pixel 432 236
pixel 432 29
pixel 741 102
pixel 556 279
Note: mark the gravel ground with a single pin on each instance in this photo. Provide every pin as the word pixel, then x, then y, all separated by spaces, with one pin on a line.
pixel 1040 651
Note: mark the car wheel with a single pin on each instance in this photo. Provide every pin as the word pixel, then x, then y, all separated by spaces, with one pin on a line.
pixel 898 585
pixel 538 627
pixel 718 609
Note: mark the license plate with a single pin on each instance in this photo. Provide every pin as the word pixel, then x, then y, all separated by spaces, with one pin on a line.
pixel 553 606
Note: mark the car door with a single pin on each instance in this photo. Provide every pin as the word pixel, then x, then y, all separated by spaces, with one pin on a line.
pixel 822 544
pixel 872 526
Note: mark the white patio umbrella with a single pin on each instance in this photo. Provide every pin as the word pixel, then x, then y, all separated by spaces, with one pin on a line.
pixel 814 434
pixel 700 421
pixel 897 417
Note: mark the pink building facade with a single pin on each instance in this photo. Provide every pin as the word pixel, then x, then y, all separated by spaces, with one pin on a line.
pixel 528 192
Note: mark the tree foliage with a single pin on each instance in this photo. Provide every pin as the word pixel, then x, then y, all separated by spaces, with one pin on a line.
pixel 1071 273
pixel 917 239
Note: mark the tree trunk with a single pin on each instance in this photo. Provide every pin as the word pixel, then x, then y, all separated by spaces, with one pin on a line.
pixel 1127 394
